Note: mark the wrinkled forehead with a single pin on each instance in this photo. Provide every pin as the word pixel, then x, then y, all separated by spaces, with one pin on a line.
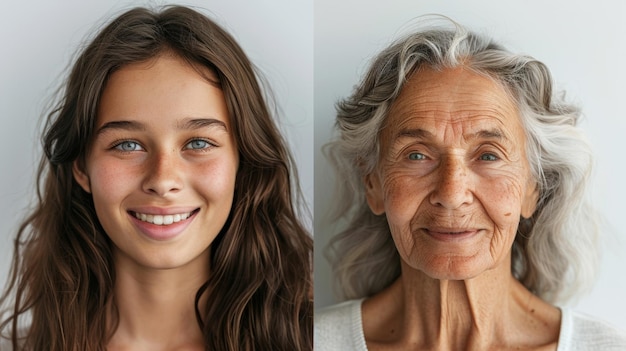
pixel 452 104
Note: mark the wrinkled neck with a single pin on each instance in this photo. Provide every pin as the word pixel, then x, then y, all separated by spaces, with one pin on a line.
pixel 454 312
pixel 490 310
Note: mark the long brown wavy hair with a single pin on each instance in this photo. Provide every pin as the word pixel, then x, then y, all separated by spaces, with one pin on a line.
pixel 62 276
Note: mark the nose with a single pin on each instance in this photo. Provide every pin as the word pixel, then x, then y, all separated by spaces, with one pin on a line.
pixel 453 187
pixel 163 175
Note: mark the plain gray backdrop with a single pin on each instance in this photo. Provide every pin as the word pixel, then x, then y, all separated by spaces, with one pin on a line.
pixel 583 44
pixel 40 37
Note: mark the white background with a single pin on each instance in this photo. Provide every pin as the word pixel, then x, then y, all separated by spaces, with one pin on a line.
pixel 582 42
pixel 38 38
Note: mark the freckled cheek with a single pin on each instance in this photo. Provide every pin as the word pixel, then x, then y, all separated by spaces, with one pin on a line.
pixel 502 201
pixel 216 179
pixel 111 180
pixel 111 183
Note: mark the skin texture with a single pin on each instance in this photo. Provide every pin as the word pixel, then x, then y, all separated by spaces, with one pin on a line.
pixel 453 181
pixel 163 145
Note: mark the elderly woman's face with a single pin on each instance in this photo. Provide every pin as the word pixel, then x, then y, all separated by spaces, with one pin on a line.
pixel 452 178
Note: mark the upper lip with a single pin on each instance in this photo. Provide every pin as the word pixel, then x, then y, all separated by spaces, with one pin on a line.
pixel 450 230
pixel 163 211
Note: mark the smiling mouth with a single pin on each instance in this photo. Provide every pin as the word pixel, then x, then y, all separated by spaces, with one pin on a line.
pixel 163 219
pixel 452 232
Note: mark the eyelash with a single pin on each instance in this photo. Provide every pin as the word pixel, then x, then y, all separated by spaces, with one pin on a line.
pixel 210 144
pixel 116 146
pixel 492 154
pixel 424 157
pixel 490 151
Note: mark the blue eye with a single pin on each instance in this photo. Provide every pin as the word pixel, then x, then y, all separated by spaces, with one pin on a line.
pixel 128 146
pixel 488 157
pixel 416 156
pixel 198 144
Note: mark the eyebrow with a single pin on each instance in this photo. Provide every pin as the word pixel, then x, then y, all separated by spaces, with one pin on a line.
pixel 186 124
pixel 197 123
pixel 123 125
pixel 418 133
pixel 414 133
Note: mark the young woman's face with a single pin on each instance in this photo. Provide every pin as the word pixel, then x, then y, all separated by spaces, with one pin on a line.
pixel 163 162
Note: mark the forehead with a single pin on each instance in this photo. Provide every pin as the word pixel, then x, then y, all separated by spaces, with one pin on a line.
pixel 451 104
pixel 162 88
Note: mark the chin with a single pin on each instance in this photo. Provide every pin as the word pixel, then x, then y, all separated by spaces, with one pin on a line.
pixel 164 259
pixel 455 268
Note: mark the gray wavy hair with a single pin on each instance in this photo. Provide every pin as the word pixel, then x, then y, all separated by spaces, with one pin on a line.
pixel 554 253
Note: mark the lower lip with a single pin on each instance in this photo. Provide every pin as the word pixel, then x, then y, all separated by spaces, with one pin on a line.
pixel 451 237
pixel 162 232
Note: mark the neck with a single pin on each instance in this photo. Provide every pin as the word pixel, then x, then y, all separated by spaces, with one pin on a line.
pixel 156 308
pixel 490 310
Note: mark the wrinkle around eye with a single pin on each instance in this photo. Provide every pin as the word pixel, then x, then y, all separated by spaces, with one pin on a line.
pixel 492 152
pixel 413 151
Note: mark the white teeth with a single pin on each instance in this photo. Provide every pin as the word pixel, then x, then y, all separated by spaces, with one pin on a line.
pixel 162 220
pixel 167 220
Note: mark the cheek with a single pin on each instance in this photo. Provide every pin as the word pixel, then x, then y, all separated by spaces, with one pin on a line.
pixel 403 193
pixel 502 200
pixel 216 179
pixel 111 181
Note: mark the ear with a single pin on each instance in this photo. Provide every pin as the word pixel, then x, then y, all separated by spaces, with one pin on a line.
pixel 529 203
pixel 374 193
pixel 81 177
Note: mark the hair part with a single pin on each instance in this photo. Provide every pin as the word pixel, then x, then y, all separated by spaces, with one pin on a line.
pixel 63 272
pixel 554 252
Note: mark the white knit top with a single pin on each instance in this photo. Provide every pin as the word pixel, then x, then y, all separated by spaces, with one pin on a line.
pixel 340 328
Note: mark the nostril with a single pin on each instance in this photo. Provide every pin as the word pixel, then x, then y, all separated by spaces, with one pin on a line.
pixel 163 178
